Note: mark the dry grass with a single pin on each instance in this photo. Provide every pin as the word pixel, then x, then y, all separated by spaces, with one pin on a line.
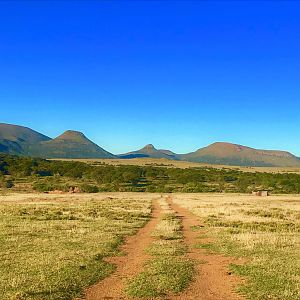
pixel 52 246
pixel 169 271
pixel 169 226
pixel 264 230
pixel 163 162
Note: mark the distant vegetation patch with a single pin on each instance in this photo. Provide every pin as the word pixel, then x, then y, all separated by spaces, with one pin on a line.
pixel 22 173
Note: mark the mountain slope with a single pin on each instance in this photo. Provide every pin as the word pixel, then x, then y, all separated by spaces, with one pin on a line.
pixel 151 152
pixel 14 139
pixel 21 140
pixel 233 154
pixel 71 144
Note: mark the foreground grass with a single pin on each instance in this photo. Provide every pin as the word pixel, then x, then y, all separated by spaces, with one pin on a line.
pixel 169 271
pixel 265 231
pixel 51 247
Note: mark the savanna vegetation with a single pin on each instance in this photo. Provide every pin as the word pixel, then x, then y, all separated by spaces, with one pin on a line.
pixel 264 234
pixel 54 246
pixel 22 173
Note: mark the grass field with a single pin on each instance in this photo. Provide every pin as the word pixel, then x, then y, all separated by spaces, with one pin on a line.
pixel 163 162
pixel 264 231
pixel 52 246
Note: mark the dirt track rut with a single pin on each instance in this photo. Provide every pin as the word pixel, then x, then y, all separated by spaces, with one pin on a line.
pixel 127 266
pixel 213 281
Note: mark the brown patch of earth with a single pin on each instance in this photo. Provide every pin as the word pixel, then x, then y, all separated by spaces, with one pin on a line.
pixel 128 266
pixel 213 280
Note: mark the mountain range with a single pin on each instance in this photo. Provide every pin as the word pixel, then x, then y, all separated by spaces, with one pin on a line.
pixel 21 140
pixel 24 141
pixel 150 151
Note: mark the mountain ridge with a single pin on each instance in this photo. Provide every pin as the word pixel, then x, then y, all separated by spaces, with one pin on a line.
pixel 71 144
pixel 234 154
pixel 20 140
pixel 150 151
pixel 14 138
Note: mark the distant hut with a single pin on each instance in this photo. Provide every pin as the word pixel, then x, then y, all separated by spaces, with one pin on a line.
pixel 74 189
pixel 261 193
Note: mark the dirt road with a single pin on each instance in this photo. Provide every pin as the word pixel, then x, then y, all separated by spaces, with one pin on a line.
pixel 213 281
pixel 127 266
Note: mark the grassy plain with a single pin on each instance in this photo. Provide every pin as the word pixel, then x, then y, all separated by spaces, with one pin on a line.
pixel 52 246
pixel 163 162
pixel 265 231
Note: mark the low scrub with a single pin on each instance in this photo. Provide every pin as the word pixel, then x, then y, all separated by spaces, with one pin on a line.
pixel 145 178
pixel 89 188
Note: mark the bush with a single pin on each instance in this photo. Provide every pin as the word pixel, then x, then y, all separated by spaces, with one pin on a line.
pixel 9 184
pixel 89 188
pixel 140 178
pixel 43 187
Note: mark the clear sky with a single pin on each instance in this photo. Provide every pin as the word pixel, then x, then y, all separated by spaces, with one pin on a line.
pixel 178 74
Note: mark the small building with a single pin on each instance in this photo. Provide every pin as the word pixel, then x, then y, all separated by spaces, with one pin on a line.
pixel 261 193
pixel 74 189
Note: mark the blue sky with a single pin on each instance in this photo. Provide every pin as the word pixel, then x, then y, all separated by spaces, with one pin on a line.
pixel 178 74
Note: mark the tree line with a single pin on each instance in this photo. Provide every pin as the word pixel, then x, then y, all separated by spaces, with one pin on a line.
pixel 45 175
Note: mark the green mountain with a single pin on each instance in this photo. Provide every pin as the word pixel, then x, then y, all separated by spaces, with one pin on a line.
pixel 14 139
pixel 71 144
pixel 151 152
pixel 238 155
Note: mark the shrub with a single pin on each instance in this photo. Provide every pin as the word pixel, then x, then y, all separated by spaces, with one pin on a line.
pixel 89 188
pixel 42 186
pixel 9 184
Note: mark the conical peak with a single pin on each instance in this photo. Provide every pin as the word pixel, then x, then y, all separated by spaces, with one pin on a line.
pixel 149 147
pixel 71 135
